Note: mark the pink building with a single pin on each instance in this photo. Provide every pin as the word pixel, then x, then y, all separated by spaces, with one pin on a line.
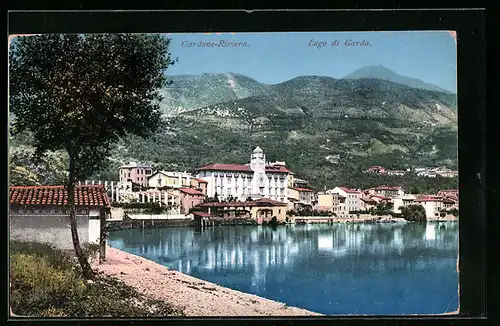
pixel 200 184
pixel 136 173
pixel 189 198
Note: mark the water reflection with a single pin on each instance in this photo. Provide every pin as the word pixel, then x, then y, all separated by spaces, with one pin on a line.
pixel 333 269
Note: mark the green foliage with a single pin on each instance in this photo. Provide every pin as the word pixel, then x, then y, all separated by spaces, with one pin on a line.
pixel 306 116
pixel 453 212
pixel 42 286
pixel 26 169
pixel 55 257
pixel 143 208
pixel 81 93
pixel 414 213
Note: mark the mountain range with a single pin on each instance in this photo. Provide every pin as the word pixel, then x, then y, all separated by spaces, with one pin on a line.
pixel 326 130
pixel 381 72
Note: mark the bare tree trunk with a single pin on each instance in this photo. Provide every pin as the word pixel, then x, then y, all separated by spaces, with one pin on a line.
pixel 88 273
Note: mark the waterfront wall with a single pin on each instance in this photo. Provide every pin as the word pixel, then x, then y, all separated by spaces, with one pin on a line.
pixel 170 222
pixel 147 224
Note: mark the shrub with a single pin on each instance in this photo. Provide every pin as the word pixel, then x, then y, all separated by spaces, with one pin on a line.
pixel 45 285
pixel 90 250
pixel 37 286
pixel 56 257
pixel 414 213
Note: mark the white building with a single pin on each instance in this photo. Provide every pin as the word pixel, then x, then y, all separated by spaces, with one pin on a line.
pixel 432 204
pixel 402 201
pixel 39 213
pixel 352 198
pixel 169 179
pixel 240 181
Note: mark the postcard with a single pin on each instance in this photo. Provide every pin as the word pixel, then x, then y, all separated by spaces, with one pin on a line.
pixel 234 174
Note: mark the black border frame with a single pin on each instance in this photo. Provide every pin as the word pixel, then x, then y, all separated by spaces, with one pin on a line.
pixel 470 28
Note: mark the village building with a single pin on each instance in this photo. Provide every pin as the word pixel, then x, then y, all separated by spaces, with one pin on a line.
pixel 40 213
pixel 259 210
pixel 368 203
pixel 381 199
pixel 241 181
pixel 300 198
pixel 388 191
pixel 376 169
pixel 332 202
pixel 169 179
pixel 352 198
pixel 396 172
pixel 136 173
pixel 448 193
pixel 432 204
pixel 300 183
pixel 402 201
pixel 189 198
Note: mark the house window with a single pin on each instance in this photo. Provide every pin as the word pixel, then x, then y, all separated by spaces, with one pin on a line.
pixel 129 174
pixel 159 181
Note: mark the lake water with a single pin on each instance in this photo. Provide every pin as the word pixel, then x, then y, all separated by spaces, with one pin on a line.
pixel 381 269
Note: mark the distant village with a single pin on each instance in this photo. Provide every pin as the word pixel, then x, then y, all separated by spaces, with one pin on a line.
pixel 270 186
pixel 419 171
pixel 256 192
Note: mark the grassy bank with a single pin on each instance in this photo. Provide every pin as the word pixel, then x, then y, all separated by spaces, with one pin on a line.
pixel 47 282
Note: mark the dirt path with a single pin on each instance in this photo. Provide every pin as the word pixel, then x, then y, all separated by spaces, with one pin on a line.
pixel 194 296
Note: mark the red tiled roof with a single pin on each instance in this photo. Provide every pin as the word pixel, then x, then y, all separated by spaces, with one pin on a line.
pixel 191 191
pixel 241 168
pixel 277 169
pixel 258 202
pixel 85 195
pixel 368 200
pixel 200 180
pixel 351 191
pixel 380 196
pixel 427 198
pixel 202 214
pixel 225 167
pixel 303 189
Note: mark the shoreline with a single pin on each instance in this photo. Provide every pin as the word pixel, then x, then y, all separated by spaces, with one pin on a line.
pixel 194 296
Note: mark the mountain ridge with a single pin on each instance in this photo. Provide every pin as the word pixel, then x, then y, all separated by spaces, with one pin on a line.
pixel 219 118
pixel 381 72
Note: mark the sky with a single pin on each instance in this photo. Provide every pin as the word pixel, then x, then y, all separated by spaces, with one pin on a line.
pixel 273 58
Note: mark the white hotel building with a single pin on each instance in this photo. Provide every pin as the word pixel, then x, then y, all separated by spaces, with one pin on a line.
pixel 255 180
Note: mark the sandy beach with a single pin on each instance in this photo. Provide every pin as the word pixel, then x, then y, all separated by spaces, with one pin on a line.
pixel 194 296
